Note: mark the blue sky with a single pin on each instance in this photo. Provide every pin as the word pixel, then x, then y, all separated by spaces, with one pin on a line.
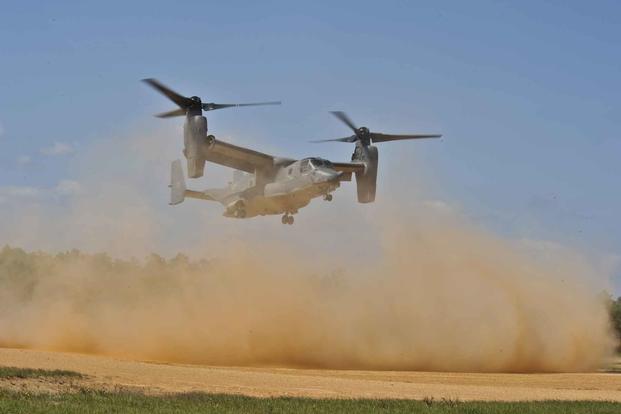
pixel 525 93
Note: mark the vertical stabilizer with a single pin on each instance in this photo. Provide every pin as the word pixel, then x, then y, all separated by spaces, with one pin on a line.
pixel 177 183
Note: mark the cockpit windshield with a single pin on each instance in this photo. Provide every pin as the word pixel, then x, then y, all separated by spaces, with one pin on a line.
pixel 320 162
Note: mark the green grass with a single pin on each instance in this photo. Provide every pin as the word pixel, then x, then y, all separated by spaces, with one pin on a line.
pixel 12 372
pixel 129 402
pixel 134 402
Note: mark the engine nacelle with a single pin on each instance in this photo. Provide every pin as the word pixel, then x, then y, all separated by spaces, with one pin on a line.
pixel 194 140
pixel 366 182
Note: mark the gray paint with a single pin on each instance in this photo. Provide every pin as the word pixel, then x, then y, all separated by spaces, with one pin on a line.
pixel 264 184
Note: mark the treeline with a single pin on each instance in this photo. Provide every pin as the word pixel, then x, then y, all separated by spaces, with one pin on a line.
pixel 615 317
pixel 16 263
pixel 23 270
pixel 26 276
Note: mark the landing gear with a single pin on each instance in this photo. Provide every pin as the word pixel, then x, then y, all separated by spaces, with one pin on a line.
pixel 240 209
pixel 287 219
pixel 327 197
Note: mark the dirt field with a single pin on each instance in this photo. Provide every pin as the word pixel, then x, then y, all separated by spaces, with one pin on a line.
pixel 151 377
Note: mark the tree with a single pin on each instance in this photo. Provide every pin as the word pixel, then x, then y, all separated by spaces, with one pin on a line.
pixel 615 318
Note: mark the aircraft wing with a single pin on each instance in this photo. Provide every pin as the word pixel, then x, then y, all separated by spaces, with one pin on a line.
pixel 199 194
pixel 240 158
pixel 248 160
pixel 348 168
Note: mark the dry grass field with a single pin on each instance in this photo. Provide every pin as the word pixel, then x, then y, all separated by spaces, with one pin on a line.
pixel 153 378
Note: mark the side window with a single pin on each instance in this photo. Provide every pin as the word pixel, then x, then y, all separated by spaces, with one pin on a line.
pixel 290 171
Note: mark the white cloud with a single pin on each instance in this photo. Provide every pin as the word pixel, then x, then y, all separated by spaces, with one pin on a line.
pixel 24 159
pixel 59 148
pixel 67 187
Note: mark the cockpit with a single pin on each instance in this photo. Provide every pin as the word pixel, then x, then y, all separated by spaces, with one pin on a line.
pixel 308 164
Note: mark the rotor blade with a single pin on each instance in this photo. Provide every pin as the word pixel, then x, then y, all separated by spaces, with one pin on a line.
pixel 345 119
pixel 170 114
pixel 377 137
pixel 180 100
pixel 213 106
pixel 353 138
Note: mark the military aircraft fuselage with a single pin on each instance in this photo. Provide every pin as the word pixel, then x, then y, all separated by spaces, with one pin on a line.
pixel 281 186
pixel 291 188
pixel 264 184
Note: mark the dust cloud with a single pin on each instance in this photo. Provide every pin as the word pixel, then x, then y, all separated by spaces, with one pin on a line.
pixel 419 289
pixel 441 296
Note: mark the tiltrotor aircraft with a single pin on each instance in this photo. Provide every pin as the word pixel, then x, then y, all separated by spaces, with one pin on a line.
pixel 264 184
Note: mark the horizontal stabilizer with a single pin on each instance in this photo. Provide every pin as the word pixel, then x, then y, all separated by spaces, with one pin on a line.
pixel 201 195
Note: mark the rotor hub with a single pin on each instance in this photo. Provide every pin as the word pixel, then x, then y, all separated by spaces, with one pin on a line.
pixel 362 135
pixel 193 105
